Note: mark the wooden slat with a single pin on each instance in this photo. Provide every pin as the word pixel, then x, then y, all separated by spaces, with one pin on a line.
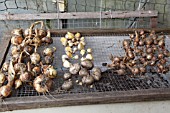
pixel 5 43
pixel 79 15
pixel 18 103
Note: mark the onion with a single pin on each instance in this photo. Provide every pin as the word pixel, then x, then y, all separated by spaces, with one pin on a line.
pixel 161 43
pixel 83 72
pixel 77 36
pixel 149 50
pixel 16 40
pixel 2 78
pixel 18 83
pixel 88 80
pixel 42 33
pixel 142 70
pixel 66 64
pixel 64 41
pixel 149 41
pixel 87 64
pixel 67 85
pixel 5 66
pixel 51 72
pixel 48 59
pixel 67 76
pixel 47 39
pixel 96 73
pixel 42 84
pixel 149 56
pixel 69 35
pixel 74 69
pixel 120 72
pixel 89 50
pixel 160 56
pixel 89 56
pixel 82 52
pixel 80 46
pixel 35 58
pixel 5 90
pixel 48 51
pixel 141 43
pixel 36 70
pixel 17 32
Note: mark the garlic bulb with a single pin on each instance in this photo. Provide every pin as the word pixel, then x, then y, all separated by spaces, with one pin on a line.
pixel 69 35
pixel 82 59
pixel 64 57
pixel 77 36
pixel 89 50
pixel 75 49
pixel 82 38
pixel 89 56
pixel 83 42
pixel 82 52
pixel 70 44
pixel 69 54
pixel 67 76
pixel 76 57
pixel 68 49
pixel 64 41
pixel 80 46
pixel 66 64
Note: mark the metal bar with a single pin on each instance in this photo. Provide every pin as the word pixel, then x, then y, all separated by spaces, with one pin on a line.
pixel 107 31
pixel 80 15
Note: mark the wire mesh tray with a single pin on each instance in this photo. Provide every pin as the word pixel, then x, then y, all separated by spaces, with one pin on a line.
pixel 111 88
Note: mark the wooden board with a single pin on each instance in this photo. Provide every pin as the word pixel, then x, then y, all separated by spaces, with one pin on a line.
pixel 16 103
pixel 80 15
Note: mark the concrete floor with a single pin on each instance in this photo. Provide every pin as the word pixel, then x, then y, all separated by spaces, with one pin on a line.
pixel 137 107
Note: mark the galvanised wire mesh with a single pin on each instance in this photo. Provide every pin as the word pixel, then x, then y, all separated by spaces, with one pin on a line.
pixel 108 83
pixel 51 6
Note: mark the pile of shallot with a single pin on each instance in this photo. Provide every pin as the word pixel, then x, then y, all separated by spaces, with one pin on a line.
pixel 27 66
pixel 75 50
pixel 143 53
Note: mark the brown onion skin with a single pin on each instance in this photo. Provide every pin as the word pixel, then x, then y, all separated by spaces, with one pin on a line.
pixel 42 88
pixel 5 90
pixel 67 85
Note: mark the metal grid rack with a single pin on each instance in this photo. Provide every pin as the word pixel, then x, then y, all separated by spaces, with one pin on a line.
pixel 102 46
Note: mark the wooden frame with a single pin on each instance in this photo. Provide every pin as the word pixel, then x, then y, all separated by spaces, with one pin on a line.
pixel 15 103
pixel 85 15
pixel 80 15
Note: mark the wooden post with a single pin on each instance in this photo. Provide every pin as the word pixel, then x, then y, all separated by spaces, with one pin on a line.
pixel 153 22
